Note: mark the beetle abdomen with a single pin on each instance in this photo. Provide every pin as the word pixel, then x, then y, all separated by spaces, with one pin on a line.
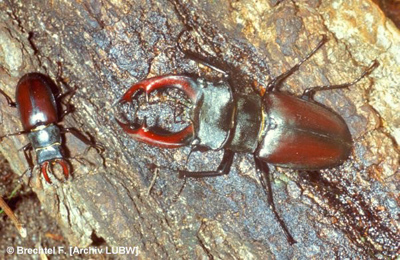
pixel 303 135
pixel 35 101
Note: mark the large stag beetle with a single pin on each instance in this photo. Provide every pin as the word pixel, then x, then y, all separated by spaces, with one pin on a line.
pixel 278 128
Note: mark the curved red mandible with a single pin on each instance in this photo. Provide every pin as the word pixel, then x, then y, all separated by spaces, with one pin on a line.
pixel 141 133
pixel 46 170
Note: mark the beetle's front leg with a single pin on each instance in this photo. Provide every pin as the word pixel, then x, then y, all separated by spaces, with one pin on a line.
pixel 262 170
pixel 27 149
pixel 223 168
pixel 13 134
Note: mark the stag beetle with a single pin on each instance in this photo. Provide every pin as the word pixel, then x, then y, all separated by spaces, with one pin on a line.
pixel 38 111
pixel 277 128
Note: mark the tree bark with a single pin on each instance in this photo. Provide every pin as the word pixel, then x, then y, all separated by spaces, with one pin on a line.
pixel 102 47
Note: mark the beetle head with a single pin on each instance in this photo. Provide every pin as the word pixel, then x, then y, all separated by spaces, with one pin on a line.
pixel 156 136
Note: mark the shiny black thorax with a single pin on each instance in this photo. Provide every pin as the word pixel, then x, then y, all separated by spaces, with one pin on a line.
pixel 223 119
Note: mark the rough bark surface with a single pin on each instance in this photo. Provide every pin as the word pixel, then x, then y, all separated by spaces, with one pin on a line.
pixel 104 46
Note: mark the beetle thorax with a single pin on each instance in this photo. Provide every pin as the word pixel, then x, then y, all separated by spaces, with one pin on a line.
pixel 227 120
pixel 46 140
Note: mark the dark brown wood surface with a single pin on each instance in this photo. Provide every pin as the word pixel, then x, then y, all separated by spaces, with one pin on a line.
pixel 101 47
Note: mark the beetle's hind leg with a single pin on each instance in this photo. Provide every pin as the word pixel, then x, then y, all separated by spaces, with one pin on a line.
pixel 223 168
pixel 10 102
pixel 309 93
pixel 262 170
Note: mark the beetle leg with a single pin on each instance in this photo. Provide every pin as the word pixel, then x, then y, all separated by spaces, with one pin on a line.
pixel 69 107
pixel 203 61
pixel 223 169
pixel 27 149
pixel 262 170
pixel 90 143
pixel 13 134
pixel 308 93
pixel 141 132
pixel 75 132
pixel 10 102
pixel 276 83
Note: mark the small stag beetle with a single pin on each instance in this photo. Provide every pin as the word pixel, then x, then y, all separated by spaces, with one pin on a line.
pixel 277 128
pixel 38 111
